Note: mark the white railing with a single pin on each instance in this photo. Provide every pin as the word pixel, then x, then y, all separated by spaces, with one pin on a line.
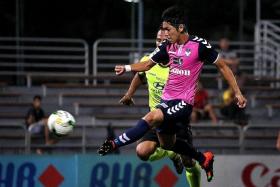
pixel 267 50
pixel 22 56
pixel 109 52
pixel 48 56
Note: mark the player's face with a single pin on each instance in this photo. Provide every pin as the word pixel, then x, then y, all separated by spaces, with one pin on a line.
pixel 161 35
pixel 171 31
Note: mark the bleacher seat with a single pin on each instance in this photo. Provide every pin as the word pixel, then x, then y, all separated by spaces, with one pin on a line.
pixel 98 106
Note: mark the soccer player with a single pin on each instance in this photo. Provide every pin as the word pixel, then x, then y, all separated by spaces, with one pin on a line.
pixel 148 147
pixel 185 54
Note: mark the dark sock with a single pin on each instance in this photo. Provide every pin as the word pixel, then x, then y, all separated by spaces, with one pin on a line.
pixel 133 134
pixel 185 148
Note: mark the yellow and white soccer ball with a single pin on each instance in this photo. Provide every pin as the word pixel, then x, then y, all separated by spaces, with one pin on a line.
pixel 61 123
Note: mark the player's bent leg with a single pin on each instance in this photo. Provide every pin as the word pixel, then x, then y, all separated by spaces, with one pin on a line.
pixel 193 173
pixel 187 161
pixel 152 119
pixel 180 146
pixel 177 162
pixel 167 142
pixel 161 153
pixel 205 160
pixel 145 149
pixel 148 148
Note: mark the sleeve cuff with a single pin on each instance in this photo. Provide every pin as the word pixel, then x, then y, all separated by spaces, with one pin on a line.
pixel 216 59
pixel 153 61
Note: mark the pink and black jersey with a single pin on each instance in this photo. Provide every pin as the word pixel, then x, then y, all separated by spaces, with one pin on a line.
pixel 186 62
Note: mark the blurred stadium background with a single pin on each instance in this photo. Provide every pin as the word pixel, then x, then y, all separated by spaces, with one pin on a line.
pixel 65 51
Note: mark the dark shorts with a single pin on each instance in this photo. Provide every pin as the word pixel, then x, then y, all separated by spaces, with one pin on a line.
pixel 176 116
pixel 183 134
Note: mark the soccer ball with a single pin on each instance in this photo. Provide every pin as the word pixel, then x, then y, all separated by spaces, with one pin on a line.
pixel 61 123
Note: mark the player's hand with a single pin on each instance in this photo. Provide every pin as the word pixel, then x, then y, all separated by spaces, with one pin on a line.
pixel 119 69
pixel 241 100
pixel 127 100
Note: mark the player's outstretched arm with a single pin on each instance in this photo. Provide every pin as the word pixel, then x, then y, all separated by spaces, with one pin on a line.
pixel 137 67
pixel 228 75
pixel 134 85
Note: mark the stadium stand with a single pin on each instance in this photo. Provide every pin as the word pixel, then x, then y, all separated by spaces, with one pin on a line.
pixel 93 96
pixel 98 106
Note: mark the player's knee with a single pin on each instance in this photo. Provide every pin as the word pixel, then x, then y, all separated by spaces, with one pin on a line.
pixel 142 153
pixel 150 118
pixel 145 149
pixel 154 117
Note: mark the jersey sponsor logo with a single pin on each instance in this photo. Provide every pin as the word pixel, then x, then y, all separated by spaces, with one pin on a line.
pixel 203 41
pixel 178 61
pixel 180 71
pixel 188 52
pixel 159 85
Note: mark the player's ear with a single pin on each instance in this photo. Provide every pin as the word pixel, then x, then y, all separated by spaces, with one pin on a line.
pixel 181 28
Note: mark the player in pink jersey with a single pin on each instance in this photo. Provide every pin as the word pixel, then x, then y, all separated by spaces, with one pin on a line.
pixel 185 54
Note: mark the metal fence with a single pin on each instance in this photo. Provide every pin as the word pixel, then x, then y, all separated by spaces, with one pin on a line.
pixel 21 56
pixel 50 56
pixel 109 52
pixel 267 50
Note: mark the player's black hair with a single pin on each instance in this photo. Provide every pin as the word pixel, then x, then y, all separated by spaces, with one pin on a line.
pixel 37 97
pixel 175 16
pixel 160 27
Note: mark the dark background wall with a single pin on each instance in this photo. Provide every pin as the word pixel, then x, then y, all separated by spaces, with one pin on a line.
pixel 92 19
